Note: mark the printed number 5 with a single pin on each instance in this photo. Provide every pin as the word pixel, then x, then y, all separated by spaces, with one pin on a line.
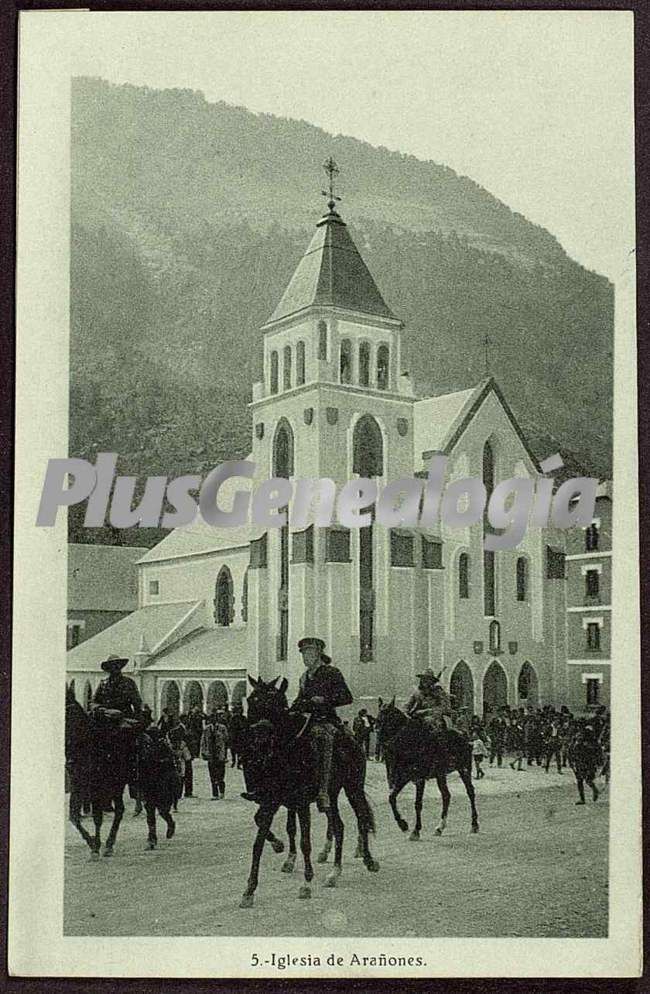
pixel 255 960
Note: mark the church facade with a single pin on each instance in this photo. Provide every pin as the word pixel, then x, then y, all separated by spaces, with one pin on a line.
pixel 218 604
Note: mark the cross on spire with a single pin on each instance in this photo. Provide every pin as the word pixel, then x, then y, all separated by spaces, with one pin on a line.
pixel 332 170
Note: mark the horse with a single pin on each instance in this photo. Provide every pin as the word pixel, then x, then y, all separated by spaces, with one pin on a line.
pixel 100 758
pixel 282 761
pixel 414 755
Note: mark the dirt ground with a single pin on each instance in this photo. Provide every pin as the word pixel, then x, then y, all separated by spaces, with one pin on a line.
pixel 538 867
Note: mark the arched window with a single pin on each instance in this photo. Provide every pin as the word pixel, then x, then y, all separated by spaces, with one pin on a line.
pixel 364 364
pixel 495 636
pixel 283 448
pixel 322 340
pixel 286 368
pixel 489 568
pixel 383 357
pixel 367 461
pixel 522 579
pixel 274 372
pixel 223 598
pixel 300 364
pixel 367 448
pixel 463 576
pixel 345 361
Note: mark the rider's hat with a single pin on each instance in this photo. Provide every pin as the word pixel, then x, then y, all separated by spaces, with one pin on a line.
pixel 113 664
pixel 318 643
pixel 428 675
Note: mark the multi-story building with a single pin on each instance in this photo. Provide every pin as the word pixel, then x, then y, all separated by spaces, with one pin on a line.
pixel 216 604
pixel 589 606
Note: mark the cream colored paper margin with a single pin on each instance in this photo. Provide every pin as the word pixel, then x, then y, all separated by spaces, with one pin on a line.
pixel 36 943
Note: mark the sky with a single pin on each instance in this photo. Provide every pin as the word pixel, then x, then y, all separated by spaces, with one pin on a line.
pixel 534 106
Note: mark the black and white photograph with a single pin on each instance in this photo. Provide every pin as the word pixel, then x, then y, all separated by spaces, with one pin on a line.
pixel 326 435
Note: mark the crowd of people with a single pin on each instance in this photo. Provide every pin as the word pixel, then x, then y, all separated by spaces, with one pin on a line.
pixel 215 737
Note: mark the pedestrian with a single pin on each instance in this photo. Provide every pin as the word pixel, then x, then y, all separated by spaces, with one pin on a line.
pixel 194 728
pixel 361 730
pixel 519 746
pixel 214 743
pixel 586 758
pixel 553 746
pixel 177 739
pixel 479 752
pixel 497 734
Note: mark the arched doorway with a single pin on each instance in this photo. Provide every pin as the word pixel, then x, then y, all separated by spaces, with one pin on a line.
pixel 283 456
pixel 495 688
pixel 192 695
pixel 217 696
pixel 239 693
pixel 170 697
pixel 224 598
pixel 461 687
pixel 528 686
pixel 88 695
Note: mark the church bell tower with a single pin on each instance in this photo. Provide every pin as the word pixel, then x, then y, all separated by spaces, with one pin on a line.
pixel 333 403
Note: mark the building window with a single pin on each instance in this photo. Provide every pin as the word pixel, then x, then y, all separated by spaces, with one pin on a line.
pixel 368 448
pixel 322 340
pixel 224 613
pixel 337 545
pixel 593 636
pixel 300 364
pixel 592 536
pixel 489 585
pixel 302 546
pixel 592 583
pixel 522 579
pixel 555 564
pixel 286 368
pixel 154 587
pixel 75 629
pixel 345 361
pixel 401 549
pixel 463 576
pixel 593 692
pixel 431 554
pixel 495 637
pixel 274 372
pixel 364 364
pixel 383 357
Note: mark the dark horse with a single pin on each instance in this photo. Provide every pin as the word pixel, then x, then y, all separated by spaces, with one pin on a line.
pixel 100 758
pixel 413 755
pixel 279 758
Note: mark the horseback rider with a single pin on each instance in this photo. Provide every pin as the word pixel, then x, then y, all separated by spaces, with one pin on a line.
pixel 117 692
pixel 431 702
pixel 322 690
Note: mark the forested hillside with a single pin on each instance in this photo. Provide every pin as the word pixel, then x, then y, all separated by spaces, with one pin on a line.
pixel 188 219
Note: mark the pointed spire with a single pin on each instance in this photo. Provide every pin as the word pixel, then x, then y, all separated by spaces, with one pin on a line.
pixel 331 273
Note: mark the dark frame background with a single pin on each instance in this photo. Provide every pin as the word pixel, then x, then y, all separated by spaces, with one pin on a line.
pixel 9 15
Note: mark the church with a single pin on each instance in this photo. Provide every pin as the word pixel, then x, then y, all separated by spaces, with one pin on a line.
pixel 215 605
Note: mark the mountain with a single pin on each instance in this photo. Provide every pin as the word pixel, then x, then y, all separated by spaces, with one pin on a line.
pixel 187 221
